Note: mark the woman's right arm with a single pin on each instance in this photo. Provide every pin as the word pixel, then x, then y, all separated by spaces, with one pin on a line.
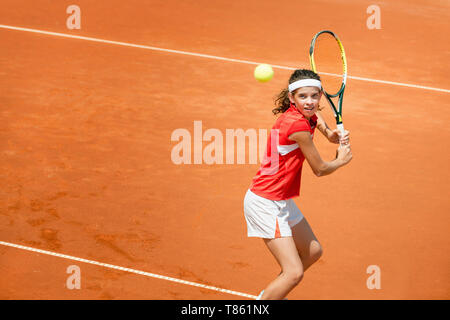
pixel 318 166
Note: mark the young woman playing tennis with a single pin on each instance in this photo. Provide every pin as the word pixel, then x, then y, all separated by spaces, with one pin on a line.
pixel 269 209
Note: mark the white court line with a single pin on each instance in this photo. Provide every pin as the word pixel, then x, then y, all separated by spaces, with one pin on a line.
pixel 143 273
pixel 208 56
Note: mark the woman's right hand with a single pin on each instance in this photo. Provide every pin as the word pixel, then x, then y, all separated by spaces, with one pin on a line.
pixel 344 154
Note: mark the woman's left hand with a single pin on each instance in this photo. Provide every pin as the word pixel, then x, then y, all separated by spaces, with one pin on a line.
pixel 334 136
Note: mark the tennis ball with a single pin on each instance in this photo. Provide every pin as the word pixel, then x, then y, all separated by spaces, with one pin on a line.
pixel 263 72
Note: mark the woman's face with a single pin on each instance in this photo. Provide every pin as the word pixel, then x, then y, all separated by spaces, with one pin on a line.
pixel 306 99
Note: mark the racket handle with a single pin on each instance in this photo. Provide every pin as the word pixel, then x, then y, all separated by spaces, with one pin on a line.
pixel 340 127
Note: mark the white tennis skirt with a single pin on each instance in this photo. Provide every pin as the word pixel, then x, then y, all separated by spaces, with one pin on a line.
pixel 270 219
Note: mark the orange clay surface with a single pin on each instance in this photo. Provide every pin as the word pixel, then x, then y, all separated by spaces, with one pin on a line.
pixel 85 148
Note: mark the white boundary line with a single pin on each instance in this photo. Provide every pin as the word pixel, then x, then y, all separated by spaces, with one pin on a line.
pixel 143 273
pixel 126 44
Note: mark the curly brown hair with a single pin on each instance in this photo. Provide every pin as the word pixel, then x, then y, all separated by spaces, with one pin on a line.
pixel 282 102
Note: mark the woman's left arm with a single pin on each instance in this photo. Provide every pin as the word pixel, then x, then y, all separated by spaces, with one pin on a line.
pixel 322 125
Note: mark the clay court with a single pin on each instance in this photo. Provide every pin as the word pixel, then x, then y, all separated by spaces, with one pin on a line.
pixel 85 148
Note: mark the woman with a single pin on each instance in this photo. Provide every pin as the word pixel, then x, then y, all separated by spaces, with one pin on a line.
pixel 269 209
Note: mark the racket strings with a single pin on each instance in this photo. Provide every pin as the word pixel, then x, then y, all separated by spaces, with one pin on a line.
pixel 328 61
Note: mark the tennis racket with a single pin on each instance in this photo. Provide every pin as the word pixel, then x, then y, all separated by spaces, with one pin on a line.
pixel 327 58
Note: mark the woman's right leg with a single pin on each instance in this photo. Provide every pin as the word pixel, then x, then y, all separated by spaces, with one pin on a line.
pixel 286 254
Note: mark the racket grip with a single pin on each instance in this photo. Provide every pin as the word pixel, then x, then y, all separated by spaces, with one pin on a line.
pixel 340 127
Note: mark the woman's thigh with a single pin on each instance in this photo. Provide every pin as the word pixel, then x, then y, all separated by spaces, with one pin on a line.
pixel 306 242
pixel 285 252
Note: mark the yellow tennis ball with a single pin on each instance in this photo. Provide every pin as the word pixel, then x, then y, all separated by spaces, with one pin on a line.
pixel 263 72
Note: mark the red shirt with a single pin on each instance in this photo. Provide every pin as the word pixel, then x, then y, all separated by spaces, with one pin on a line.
pixel 279 176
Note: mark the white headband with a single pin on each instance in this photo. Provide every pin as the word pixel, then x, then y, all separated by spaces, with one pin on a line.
pixel 304 83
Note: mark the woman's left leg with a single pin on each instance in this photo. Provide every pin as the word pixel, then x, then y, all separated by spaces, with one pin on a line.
pixel 286 254
pixel 307 244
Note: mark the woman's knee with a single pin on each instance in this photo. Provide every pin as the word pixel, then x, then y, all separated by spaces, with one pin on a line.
pixel 294 275
pixel 314 253
pixel 316 250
